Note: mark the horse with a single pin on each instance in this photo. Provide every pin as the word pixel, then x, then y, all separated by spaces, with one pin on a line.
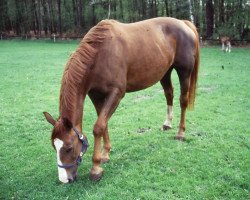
pixel 114 58
pixel 225 44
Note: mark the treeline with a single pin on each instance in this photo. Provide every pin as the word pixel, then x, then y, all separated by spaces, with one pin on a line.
pixel 72 18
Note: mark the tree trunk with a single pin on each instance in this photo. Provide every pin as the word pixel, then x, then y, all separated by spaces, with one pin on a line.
pixel 35 17
pixel 209 18
pixel 93 15
pixel 153 10
pixel 46 17
pixel 197 13
pixel 39 16
pixel 109 9
pixel 191 11
pixel 51 14
pixel 114 6
pixel 59 17
pixel 166 6
pixel 221 12
pixel 121 10
pixel 80 20
pixel 18 18
pixel 4 18
pixel 144 8
pixel 178 9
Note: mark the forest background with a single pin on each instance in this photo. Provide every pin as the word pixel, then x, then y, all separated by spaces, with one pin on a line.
pixel 73 18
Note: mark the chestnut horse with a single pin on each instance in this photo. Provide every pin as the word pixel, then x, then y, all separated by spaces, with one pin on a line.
pixel 225 41
pixel 114 58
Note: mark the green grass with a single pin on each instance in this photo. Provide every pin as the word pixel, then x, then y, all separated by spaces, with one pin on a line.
pixel 214 162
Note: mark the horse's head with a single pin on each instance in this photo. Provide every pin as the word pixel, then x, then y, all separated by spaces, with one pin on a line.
pixel 70 146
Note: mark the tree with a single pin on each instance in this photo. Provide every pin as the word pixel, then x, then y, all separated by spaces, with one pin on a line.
pixel 212 17
pixel 59 17
pixel 80 19
pixel 209 18
pixel 153 9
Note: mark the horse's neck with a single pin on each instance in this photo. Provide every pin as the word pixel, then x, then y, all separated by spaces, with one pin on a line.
pixel 74 114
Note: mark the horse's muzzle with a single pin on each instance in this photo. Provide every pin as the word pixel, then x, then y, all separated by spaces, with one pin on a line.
pixel 72 177
pixel 71 180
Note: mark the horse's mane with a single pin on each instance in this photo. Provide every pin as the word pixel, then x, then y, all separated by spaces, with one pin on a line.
pixel 78 64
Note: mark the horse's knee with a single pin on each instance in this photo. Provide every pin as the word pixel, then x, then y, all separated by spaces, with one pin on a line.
pixel 99 129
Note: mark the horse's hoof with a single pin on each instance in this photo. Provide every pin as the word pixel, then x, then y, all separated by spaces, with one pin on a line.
pixel 96 177
pixel 166 127
pixel 180 138
pixel 96 174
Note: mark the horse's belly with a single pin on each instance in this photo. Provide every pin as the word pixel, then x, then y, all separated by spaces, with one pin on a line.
pixel 144 77
pixel 149 64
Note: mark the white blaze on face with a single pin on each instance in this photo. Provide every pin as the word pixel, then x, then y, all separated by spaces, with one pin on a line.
pixel 63 177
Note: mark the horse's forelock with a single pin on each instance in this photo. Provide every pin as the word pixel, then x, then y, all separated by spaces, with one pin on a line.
pixel 57 131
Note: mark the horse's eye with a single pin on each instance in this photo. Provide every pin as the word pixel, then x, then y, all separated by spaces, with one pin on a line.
pixel 68 150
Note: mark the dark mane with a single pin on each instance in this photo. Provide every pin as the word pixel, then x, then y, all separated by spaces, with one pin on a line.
pixel 76 68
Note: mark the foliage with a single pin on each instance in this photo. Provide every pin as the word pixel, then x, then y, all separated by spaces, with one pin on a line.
pixel 146 163
pixel 212 17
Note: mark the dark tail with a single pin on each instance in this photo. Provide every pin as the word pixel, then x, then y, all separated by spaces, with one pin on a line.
pixel 194 75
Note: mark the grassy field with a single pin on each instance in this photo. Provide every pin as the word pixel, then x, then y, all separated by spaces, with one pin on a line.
pixel 146 163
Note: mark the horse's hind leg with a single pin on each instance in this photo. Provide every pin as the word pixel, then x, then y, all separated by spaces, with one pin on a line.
pixel 184 78
pixel 169 94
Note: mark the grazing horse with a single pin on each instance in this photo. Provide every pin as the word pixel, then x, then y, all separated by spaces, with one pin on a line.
pixel 114 58
pixel 225 41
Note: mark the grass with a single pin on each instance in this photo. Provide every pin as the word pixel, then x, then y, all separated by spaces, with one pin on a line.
pixel 146 163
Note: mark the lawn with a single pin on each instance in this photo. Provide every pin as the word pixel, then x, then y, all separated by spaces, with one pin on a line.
pixel 146 163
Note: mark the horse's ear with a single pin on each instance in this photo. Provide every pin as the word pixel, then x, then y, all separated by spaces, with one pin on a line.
pixel 67 123
pixel 49 118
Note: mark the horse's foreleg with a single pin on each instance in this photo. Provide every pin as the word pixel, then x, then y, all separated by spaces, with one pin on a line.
pixel 222 46
pixel 110 103
pixel 169 94
pixel 229 46
pixel 106 147
pixel 98 103
pixel 184 83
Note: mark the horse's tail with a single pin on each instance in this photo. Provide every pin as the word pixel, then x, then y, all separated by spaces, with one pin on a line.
pixel 194 75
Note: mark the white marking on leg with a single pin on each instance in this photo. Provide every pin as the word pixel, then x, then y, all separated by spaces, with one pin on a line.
pixel 169 116
pixel 63 177
pixel 229 46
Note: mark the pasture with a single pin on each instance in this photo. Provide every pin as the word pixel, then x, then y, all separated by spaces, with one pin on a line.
pixel 146 163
